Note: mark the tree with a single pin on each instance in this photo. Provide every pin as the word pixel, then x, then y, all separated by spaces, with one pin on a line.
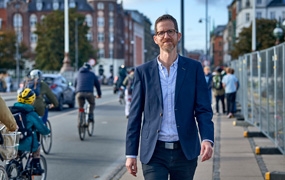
pixel 8 49
pixel 50 45
pixel 264 38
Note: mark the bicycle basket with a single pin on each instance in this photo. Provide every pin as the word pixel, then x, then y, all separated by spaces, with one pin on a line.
pixel 9 149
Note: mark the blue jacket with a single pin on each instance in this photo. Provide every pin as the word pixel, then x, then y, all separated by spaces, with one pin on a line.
pixel 86 81
pixel 193 111
pixel 33 122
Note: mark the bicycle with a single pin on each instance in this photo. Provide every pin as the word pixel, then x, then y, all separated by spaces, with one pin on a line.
pixel 84 123
pixel 46 140
pixel 5 148
pixel 21 167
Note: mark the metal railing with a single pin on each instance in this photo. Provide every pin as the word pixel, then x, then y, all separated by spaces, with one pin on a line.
pixel 261 94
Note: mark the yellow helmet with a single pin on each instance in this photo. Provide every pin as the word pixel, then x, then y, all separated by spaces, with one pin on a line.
pixel 27 96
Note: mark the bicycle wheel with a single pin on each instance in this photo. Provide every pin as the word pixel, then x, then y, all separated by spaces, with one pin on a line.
pixel 44 167
pixel 81 126
pixel 12 169
pixel 46 140
pixel 3 173
pixel 90 128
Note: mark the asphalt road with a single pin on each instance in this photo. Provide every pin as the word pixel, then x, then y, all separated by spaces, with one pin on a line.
pixel 98 157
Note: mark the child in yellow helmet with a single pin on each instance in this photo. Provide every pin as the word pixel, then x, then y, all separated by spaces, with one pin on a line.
pixel 25 101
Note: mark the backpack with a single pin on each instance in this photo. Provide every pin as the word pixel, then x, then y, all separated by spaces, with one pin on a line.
pixel 21 120
pixel 217 82
pixel 34 84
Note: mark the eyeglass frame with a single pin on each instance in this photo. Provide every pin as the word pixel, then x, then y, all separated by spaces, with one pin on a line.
pixel 169 32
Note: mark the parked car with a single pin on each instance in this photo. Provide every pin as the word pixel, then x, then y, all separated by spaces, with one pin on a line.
pixel 63 90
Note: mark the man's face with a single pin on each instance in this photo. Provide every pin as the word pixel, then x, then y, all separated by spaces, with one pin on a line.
pixel 165 38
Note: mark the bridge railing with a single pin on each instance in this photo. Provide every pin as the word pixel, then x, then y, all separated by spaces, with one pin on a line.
pixel 261 94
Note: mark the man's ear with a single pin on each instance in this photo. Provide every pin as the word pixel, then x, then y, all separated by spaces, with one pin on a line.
pixel 155 39
pixel 179 35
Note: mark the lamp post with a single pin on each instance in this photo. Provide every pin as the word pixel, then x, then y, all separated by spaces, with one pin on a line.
pixel 17 18
pixel 207 20
pixel 277 33
pixel 76 44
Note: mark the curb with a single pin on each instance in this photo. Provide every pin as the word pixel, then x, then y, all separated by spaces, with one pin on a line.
pixel 267 150
pixel 275 175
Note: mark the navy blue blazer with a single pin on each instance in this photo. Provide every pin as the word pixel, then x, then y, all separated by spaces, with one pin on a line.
pixel 191 102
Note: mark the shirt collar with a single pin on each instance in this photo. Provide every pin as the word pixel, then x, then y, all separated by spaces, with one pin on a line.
pixel 174 64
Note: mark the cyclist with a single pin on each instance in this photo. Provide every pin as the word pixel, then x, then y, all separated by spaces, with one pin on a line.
pixel 42 90
pixel 26 100
pixel 84 85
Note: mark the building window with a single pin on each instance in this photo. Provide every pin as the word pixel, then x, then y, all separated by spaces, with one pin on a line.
pixel 39 5
pixel 272 15
pixel 247 4
pixel 258 1
pixel 111 53
pixel 89 36
pixel 17 20
pixel 55 5
pixel 283 15
pixel 100 22
pixel 42 17
pixel 100 6
pixel 72 4
pixel 247 17
pixel 100 37
pixel 101 53
pixel 111 7
pixel 33 38
pixel 33 20
pixel 111 37
pixel 258 15
pixel 111 22
pixel 89 21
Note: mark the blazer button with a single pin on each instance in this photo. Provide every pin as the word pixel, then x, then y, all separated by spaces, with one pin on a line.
pixel 161 114
pixel 158 131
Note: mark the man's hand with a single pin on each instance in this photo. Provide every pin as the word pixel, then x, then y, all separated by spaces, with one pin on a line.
pixel 131 165
pixel 97 97
pixel 206 150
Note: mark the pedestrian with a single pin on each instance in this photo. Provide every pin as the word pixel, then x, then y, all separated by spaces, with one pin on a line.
pixel 3 85
pixel 170 94
pixel 208 77
pixel 230 85
pixel 218 90
pixel 128 83
pixel 235 103
pixel 9 82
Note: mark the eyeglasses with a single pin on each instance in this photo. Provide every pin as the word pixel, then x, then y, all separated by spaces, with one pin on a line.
pixel 170 32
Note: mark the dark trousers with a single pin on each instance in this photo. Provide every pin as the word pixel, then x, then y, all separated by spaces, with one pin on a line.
pixel 169 163
pixel 222 99
pixel 81 96
pixel 231 99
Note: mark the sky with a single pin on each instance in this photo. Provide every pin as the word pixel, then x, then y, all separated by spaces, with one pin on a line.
pixel 194 10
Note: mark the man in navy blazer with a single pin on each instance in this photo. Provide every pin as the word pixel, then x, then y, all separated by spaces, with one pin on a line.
pixel 170 108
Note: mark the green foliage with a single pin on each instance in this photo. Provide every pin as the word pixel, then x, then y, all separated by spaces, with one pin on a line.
pixel 50 46
pixel 8 49
pixel 264 38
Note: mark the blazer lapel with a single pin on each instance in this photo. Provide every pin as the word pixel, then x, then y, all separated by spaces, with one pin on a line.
pixel 181 71
pixel 155 81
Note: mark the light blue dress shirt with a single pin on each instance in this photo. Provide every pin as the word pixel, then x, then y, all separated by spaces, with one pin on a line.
pixel 168 131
